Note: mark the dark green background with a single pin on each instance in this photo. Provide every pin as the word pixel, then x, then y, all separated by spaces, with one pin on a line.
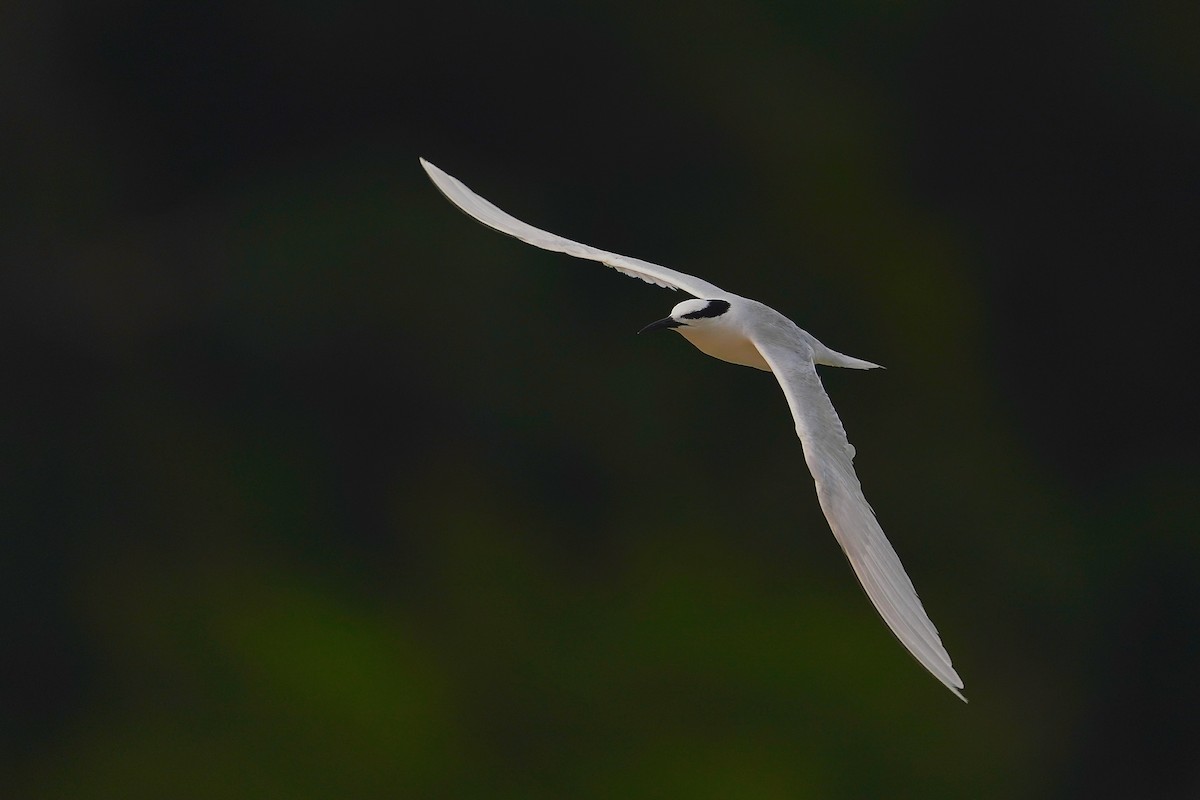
pixel 314 488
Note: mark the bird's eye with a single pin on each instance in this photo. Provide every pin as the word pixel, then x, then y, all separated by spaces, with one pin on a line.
pixel 715 308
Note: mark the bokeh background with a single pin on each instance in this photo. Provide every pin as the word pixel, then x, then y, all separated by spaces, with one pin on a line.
pixel 314 488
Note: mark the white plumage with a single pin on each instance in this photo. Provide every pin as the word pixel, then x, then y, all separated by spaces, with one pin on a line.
pixel 743 331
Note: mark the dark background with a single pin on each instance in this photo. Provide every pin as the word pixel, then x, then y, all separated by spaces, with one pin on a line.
pixel 315 488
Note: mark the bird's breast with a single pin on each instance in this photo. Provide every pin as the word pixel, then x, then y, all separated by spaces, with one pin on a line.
pixel 734 348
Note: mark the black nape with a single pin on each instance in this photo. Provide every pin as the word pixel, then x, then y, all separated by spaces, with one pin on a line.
pixel 715 308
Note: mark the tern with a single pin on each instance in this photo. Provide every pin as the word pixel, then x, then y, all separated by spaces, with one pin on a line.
pixel 746 332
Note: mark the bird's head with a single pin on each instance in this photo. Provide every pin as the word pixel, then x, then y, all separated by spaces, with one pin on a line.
pixel 692 314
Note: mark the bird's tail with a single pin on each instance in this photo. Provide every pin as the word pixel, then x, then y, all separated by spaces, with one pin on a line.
pixel 832 358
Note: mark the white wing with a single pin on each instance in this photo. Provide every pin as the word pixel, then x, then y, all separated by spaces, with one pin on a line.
pixel 829 456
pixel 483 211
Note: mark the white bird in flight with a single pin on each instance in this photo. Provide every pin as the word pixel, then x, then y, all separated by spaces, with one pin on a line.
pixel 743 331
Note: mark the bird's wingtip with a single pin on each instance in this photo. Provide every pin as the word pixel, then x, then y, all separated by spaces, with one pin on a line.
pixel 956 686
pixel 431 169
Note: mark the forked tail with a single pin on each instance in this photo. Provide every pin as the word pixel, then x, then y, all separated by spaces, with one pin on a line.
pixel 832 358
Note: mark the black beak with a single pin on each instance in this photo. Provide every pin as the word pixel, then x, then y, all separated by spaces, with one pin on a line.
pixel 661 325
